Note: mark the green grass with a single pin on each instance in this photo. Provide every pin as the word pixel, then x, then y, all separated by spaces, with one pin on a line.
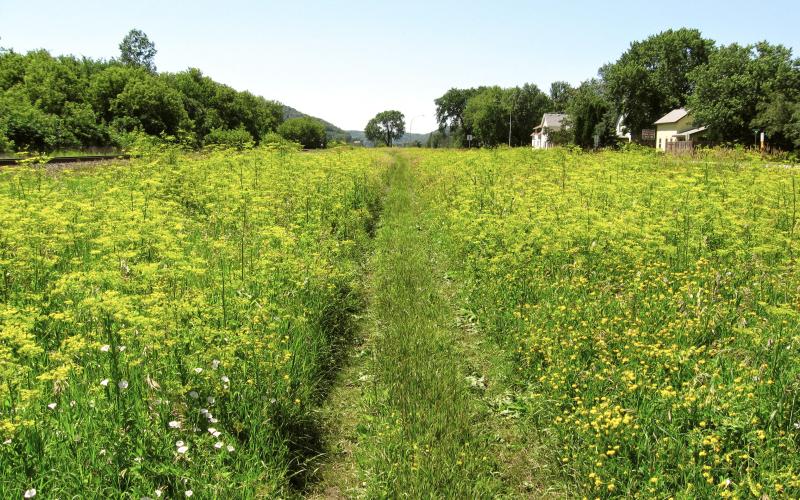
pixel 418 438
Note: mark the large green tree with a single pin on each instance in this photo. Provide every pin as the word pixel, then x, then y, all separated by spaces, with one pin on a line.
pixel 136 49
pixel 450 113
pixel 591 113
pixel 746 87
pixel 652 76
pixel 560 94
pixel 494 113
pixel 307 131
pixel 386 127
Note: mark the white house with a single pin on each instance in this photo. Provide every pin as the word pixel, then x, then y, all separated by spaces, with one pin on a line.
pixel 550 122
pixel 621 130
pixel 676 126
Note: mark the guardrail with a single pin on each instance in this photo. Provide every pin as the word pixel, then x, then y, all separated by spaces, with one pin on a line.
pixel 67 159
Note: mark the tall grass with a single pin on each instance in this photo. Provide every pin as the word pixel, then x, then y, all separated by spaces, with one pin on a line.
pixel 167 325
pixel 650 305
pixel 418 439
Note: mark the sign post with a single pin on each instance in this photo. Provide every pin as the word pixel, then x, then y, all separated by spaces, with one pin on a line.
pixel 469 140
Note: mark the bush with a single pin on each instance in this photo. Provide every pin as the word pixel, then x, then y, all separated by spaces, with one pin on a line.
pixel 307 131
pixel 238 138
pixel 275 141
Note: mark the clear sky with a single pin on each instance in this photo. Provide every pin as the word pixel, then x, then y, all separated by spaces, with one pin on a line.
pixel 346 61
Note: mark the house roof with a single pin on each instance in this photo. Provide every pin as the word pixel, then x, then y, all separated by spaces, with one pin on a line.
pixel 672 117
pixel 692 131
pixel 551 120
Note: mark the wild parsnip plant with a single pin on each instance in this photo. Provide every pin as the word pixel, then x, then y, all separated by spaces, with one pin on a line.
pixel 650 307
pixel 167 325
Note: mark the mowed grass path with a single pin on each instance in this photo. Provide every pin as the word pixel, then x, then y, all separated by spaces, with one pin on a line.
pixel 418 437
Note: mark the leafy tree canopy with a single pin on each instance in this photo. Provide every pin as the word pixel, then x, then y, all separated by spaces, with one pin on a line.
pixel 137 50
pixel 746 87
pixel 386 127
pixel 652 76
pixel 307 131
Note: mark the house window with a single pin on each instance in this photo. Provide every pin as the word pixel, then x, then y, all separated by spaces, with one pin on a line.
pixel 659 143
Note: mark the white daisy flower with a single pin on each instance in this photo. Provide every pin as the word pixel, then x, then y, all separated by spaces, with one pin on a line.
pixel 52 406
pixel 198 370
pixel 122 384
pixel 121 348
pixel 225 379
pixel 211 430
pixel 183 449
pixel 230 449
pixel 219 444
pixel 210 400
pixel 29 493
pixel 105 348
pixel 194 395
pixel 104 382
pixel 174 424
pixel 188 493
pixel 215 364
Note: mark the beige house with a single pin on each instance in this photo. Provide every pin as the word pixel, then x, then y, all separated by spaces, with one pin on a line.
pixel 550 122
pixel 676 126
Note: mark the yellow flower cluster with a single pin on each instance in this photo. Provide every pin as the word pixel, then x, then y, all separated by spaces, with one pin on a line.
pixel 652 305
pixel 174 299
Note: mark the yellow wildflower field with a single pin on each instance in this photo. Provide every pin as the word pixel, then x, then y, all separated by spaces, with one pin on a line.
pixel 649 306
pixel 166 324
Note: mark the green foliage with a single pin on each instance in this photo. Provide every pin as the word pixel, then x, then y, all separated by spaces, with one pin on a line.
pixel 560 95
pixel 238 138
pixel 450 110
pixel 53 103
pixel 27 126
pixel 275 142
pixel 652 76
pixel 486 114
pixel 591 113
pixel 386 127
pixel 150 104
pixel 490 109
pixel 6 144
pixel 137 50
pixel 307 131
pixel 743 87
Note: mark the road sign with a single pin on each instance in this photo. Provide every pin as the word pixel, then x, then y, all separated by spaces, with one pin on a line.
pixel 648 134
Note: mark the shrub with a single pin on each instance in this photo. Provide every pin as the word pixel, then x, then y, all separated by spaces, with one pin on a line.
pixel 307 131
pixel 238 138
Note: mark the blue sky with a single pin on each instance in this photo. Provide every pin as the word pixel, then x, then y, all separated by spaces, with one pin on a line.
pixel 346 61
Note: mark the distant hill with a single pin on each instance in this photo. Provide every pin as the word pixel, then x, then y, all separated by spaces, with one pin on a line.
pixel 334 133
pixel 358 135
pixel 337 134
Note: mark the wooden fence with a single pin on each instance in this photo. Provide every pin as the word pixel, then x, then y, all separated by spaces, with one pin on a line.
pixel 679 147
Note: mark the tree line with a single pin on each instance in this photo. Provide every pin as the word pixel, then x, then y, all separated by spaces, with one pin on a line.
pixel 52 103
pixel 735 90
